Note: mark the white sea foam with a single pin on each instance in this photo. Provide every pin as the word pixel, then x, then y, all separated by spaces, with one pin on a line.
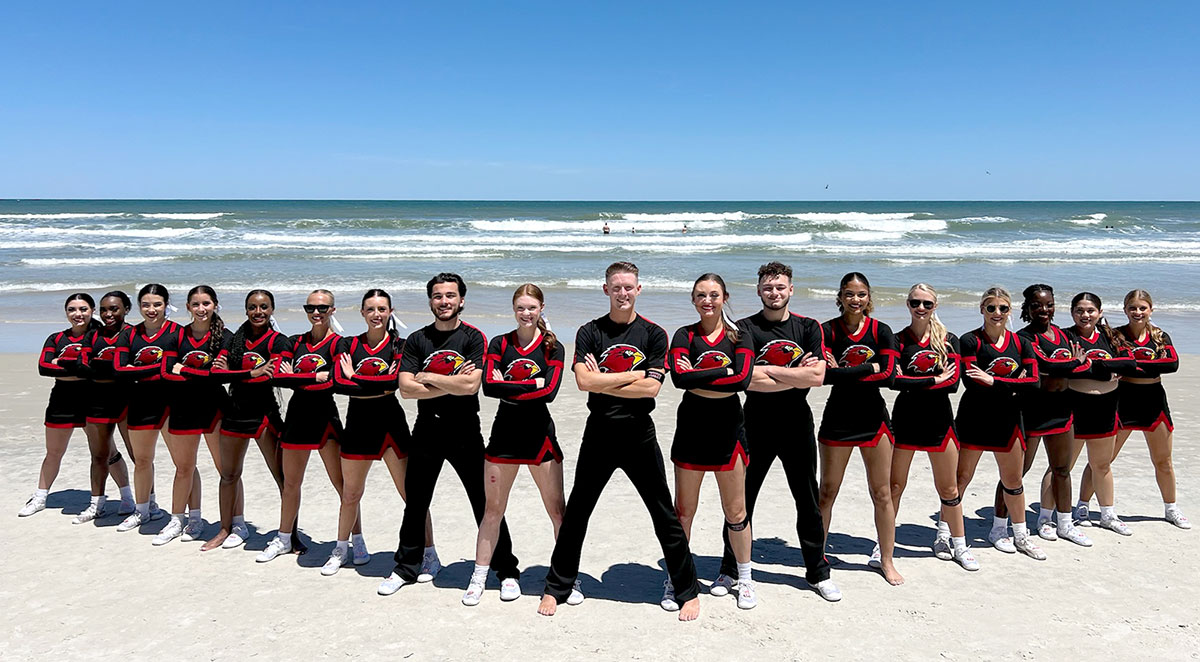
pixel 1088 219
pixel 25 287
pixel 846 217
pixel 59 217
pixel 863 235
pixel 80 261
pixel 146 233
pixel 591 227
pixel 908 225
pixel 173 216
pixel 679 217
pixel 984 219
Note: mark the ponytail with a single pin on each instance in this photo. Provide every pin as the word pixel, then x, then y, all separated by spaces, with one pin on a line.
pixel 216 325
pixel 549 338
pixel 937 330
pixel 730 327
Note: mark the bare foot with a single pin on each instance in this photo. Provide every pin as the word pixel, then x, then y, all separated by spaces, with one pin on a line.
pixel 548 605
pixel 215 541
pixel 890 573
pixel 690 610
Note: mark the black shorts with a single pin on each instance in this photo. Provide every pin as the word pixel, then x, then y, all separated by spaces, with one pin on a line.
pixel 989 423
pixel 68 404
pixel 523 433
pixel 108 402
pixel 250 413
pixel 710 434
pixel 1095 414
pixel 312 420
pixel 923 421
pixel 148 408
pixel 1143 406
pixel 855 417
pixel 372 426
pixel 196 407
pixel 1046 412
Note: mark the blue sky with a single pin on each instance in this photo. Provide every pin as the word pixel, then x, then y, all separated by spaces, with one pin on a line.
pixel 601 100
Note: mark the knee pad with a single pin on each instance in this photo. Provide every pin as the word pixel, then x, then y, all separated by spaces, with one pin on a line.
pixel 114 459
pixel 1014 492
pixel 952 502
pixel 738 526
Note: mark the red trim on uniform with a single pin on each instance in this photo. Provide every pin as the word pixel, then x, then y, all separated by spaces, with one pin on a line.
pixel 1016 436
pixel 1115 428
pixel 263 427
pixel 540 458
pixel 1161 420
pixel 209 430
pixel 880 434
pixel 154 426
pixel 516 346
pixel 387 442
pixel 1030 434
pixel 950 437
pixel 64 426
pixel 330 431
pixel 738 451
pixel 107 421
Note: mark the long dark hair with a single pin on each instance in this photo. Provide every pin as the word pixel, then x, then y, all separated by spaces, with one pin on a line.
pixel 154 288
pixel 93 323
pixel 850 278
pixel 727 322
pixel 237 350
pixel 548 336
pixel 216 327
pixel 1030 293
pixel 1115 339
pixel 392 331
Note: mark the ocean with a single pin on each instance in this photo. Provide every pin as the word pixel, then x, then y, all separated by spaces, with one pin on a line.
pixel 50 248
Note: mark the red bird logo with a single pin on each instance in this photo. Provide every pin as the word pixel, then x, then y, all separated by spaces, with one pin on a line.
pixel 1144 353
pixel 782 352
pixel 1003 367
pixel 372 366
pixel 106 353
pixel 620 358
pixel 197 359
pixel 856 355
pixel 310 363
pixel 71 352
pixel 1096 354
pixel 443 362
pixel 712 359
pixel 924 362
pixel 521 369
pixel 1060 354
pixel 148 355
pixel 252 360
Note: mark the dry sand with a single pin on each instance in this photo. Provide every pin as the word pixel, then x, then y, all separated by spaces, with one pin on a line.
pixel 87 592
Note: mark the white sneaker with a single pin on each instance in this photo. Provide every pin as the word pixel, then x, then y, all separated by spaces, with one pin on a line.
pixel 134 521
pixel 745 596
pixel 273 549
pixel 336 560
pixel 1116 525
pixel 1176 517
pixel 127 507
pixel 1081 515
pixel 964 557
pixel 1002 541
pixel 576 596
pixel 35 504
pixel 390 585
pixel 361 555
pixel 171 531
pixel 194 530
pixel 942 548
pixel 828 590
pixel 474 592
pixel 90 513
pixel 722 585
pixel 668 599
pixel 1076 536
pixel 430 567
pixel 876 559
pixel 237 537
pixel 1047 530
pixel 510 589
pixel 1029 548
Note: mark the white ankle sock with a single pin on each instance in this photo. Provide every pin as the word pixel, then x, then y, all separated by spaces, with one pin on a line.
pixel 430 551
pixel 237 519
pixel 127 493
pixel 358 540
pixel 343 545
pixel 194 515
pixel 1064 521
pixel 1108 512
pixel 743 572
pixel 1020 530
pixel 1170 506
pixel 959 542
pixel 285 537
pixel 179 516
pixel 143 509
pixel 40 493
pixel 480 573
pixel 1045 514
pixel 1081 504
pixel 1000 523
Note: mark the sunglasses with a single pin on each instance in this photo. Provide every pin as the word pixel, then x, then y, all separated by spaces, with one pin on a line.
pixel 917 303
pixel 319 308
pixel 991 308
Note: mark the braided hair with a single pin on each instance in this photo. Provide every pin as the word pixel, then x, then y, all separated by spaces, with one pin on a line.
pixel 216 327
pixel 937 330
pixel 1030 293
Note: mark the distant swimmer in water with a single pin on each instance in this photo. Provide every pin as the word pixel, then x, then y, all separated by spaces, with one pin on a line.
pixel 632 230
pixel 606 229
pixel 685 228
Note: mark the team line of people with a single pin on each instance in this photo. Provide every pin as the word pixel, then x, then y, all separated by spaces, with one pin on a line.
pixel 1087 385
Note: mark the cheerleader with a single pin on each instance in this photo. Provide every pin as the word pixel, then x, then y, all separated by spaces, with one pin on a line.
pixel 1093 390
pixel 64 357
pixel 998 366
pixel 1142 402
pixel 928 371
pixel 712 361
pixel 861 356
pixel 524 369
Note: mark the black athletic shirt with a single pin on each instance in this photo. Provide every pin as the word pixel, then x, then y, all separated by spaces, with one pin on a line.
pixel 445 353
pixel 146 358
pixel 376 368
pixel 639 345
pixel 102 353
pixel 71 352
pixel 520 367
pixel 1103 360
pixel 782 343
pixel 1152 360
pixel 195 356
pixel 723 366
pixel 308 360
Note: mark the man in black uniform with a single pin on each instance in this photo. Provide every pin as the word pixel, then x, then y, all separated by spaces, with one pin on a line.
pixel 620 360
pixel 442 368
pixel 788 350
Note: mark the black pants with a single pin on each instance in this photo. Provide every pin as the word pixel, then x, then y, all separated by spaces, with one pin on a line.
pixel 436 441
pixel 793 443
pixel 632 447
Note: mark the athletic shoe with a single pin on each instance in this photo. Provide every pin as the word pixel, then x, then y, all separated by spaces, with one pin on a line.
pixel 1047 530
pixel 1116 525
pixel 273 549
pixel 942 548
pixel 722 585
pixel 171 531
pixel 1076 536
pixel 1081 515
pixel 668 599
pixel 35 504
pixel 745 596
pixel 430 567
pixel 474 592
pixel 1176 517
pixel 876 559
pixel 237 537
pixel 828 590
pixel 576 596
pixel 1029 548
pixel 337 559
pixel 510 589
pixel 964 557
pixel 1002 541
pixel 361 555
pixel 127 507
pixel 156 513
pixel 134 521
pixel 195 530
pixel 90 513
pixel 390 585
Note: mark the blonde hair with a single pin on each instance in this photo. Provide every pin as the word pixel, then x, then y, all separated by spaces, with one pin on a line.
pixel 937 330
pixel 997 293
pixel 1156 334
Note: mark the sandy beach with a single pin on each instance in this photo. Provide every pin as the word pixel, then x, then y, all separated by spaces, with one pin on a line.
pixel 87 592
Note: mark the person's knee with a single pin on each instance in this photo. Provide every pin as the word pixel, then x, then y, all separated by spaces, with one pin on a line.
pixel 684 511
pixel 735 511
pixel 1164 464
pixel 352 494
pixel 947 492
pixel 881 494
pixel 1061 471
pixel 898 485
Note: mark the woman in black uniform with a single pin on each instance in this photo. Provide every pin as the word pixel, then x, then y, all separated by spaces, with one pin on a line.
pixel 927 373
pixel 998 366
pixel 712 361
pixel 523 368
pixel 861 354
